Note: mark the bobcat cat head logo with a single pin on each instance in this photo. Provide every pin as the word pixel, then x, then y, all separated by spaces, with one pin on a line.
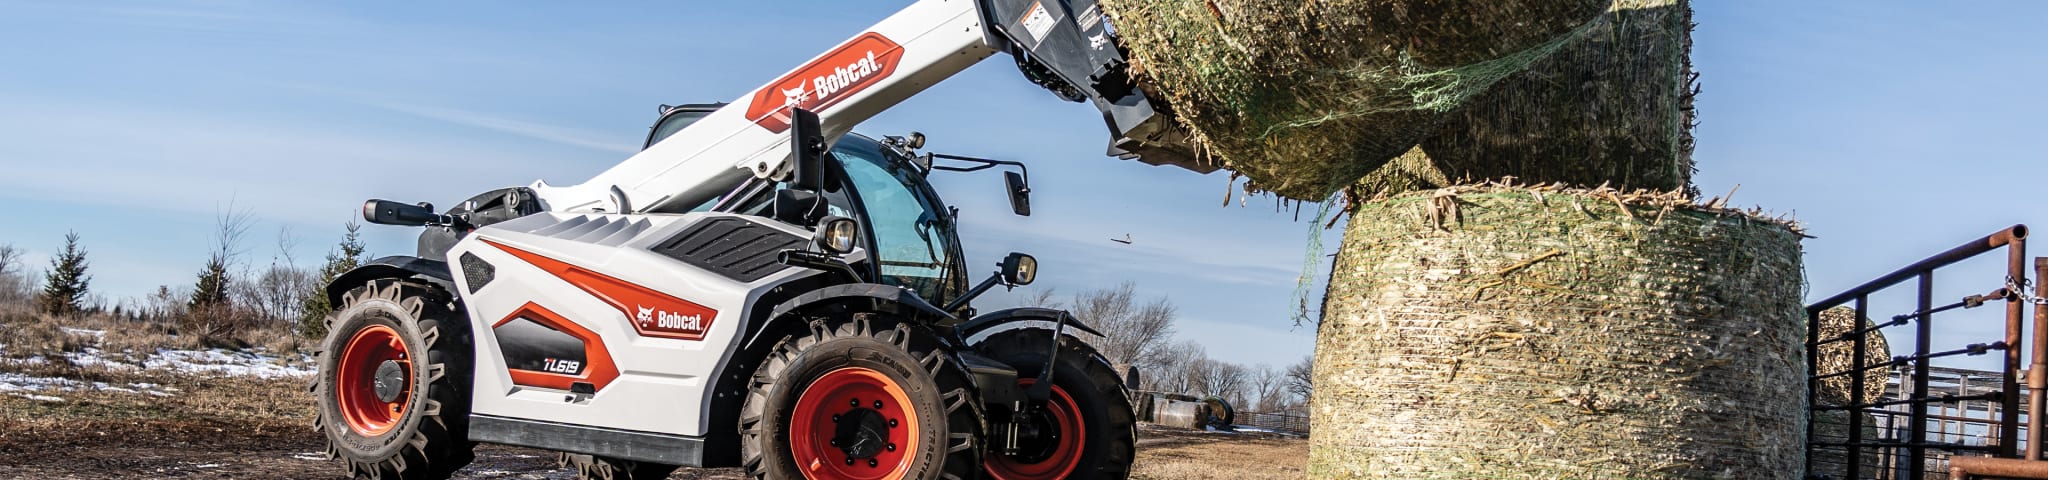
pixel 793 96
pixel 646 315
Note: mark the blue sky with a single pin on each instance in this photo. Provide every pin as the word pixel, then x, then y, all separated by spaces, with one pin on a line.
pixel 1892 129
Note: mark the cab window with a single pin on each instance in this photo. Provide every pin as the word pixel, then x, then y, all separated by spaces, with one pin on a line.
pixel 912 241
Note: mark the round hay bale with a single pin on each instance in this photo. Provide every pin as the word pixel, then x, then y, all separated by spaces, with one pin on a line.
pixel 1509 332
pixel 1832 426
pixel 1305 97
pixel 1840 357
pixel 1612 107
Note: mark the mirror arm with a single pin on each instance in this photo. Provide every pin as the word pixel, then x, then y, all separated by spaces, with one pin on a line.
pixel 974 292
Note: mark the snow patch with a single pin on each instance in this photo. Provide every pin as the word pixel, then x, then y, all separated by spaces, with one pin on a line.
pixel 95 334
pixel 40 398
pixel 218 362
pixel 310 456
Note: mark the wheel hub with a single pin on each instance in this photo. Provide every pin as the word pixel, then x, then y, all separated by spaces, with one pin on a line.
pixel 390 382
pixel 854 423
pixel 1052 437
pixel 373 381
pixel 862 433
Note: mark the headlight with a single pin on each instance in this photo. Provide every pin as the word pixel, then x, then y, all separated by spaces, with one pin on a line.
pixel 1020 269
pixel 836 234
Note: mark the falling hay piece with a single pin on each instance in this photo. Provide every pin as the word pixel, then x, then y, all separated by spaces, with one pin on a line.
pixel 1840 357
pixel 1305 97
pixel 1508 332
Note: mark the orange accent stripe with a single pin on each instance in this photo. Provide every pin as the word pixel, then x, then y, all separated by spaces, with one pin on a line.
pixel 599 373
pixel 611 290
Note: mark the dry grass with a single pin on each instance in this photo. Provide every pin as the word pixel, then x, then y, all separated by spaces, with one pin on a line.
pixel 1165 453
pixel 26 333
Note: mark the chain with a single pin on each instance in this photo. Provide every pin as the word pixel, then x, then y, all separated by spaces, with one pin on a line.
pixel 2024 288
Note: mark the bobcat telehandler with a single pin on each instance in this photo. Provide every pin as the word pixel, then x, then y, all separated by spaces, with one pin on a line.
pixel 756 288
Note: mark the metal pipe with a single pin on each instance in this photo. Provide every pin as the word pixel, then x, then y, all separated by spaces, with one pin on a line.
pixel 2016 272
pixel 1964 467
pixel 1924 331
pixel 1857 348
pixel 2037 373
pixel 1953 255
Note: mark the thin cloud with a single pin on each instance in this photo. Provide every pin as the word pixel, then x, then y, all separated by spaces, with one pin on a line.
pixel 539 131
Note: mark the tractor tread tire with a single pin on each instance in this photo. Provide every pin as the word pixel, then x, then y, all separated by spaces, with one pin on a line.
pixel 433 442
pixel 1083 373
pixel 764 441
pixel 592 467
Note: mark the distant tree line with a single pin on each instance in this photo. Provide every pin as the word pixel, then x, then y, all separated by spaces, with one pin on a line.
pixel 229 295
pixel 1139 335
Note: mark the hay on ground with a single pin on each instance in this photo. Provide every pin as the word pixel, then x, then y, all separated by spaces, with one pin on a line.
pixel 1512 332
pixel 1305 97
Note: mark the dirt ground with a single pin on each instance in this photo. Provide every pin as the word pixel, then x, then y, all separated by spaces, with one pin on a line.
pixel 251 428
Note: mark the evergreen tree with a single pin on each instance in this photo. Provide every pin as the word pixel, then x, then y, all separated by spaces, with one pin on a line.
pixel 210 294
pixel 66 285
pixel 347 256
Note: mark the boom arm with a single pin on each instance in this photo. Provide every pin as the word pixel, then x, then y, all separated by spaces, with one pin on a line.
pixel 929 41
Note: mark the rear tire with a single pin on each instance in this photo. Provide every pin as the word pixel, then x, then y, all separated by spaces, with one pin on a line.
pixel 1084 386
pixel 392 391
pixel 863 397
pixel 592 467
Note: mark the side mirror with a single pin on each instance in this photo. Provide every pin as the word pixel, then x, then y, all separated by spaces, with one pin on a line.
pixel 807 155
pixel 1019 269
pixel 1020 193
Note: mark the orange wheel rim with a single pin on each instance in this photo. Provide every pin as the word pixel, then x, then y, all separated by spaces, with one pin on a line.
pixel 1064 454
pixel 355 381
pixel 853 423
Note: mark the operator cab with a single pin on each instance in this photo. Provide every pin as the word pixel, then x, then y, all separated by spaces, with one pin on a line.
pixel 909 231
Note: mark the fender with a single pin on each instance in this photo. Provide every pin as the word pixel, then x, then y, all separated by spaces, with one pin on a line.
pixel 860 296
pixel 1023 317
pixel 396 266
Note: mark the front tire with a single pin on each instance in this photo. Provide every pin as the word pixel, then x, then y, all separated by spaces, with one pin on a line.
pixel 392 391
pixel 863 397
pixel 1087 396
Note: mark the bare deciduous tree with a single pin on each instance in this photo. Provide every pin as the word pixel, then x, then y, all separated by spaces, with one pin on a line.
pixel 14 281
pixel 1134 335
pixel 1301 379
pixel 1265 387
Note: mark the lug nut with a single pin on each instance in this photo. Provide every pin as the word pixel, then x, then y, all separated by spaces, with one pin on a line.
pixel 855 403
pixel 834 442
pixel 878 404
pixel 892 423
pixel 849 460
pixel 890 447
pixel 872 463
pixel 835 419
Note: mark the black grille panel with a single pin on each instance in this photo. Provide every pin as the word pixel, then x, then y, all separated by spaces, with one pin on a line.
pixel 477 271
pixel 731 247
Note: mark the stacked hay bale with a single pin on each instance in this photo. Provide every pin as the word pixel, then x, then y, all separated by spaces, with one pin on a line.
pixel 1488 330
pixel 1832 426
pixel 1306 97
pixel 1508 332
pixel 1612 107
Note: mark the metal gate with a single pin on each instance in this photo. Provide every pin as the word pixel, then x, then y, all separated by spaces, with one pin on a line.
pixel 1931 421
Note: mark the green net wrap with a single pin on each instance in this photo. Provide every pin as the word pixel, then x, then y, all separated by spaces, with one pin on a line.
pixel 1612 107
pixel 1543 333
pixel 1304 97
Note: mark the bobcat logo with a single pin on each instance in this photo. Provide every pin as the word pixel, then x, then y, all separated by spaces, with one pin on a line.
pixel 793 96
pixel 646 315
